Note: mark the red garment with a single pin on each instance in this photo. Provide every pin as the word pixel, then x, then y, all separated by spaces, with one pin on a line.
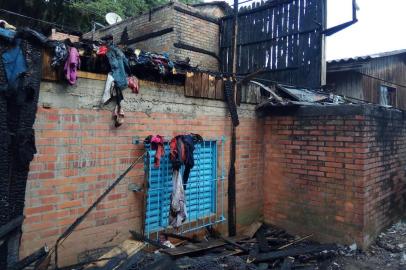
pixel 157 143
pixel 133 84
pixel 173 149
pixel 102 50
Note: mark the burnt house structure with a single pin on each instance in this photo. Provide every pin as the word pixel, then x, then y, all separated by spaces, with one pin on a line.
pixel 378 79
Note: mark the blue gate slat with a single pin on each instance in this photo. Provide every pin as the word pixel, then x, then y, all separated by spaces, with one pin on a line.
pixel 201 190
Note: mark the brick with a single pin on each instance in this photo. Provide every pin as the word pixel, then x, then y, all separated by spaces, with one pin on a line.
pixel 69 204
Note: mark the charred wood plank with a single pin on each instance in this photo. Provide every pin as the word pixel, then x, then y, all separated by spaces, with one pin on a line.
pixel 229 241
pixel 140 237
pixel 181 237
pixel 197 15
pixel 294 252
pixel 269 4
pixel 193 248
pixel 163 263
pixel 37 255
pixel 149 35
pixel 262 241
pixel 287 263
pixel 11 226
pixel 188 47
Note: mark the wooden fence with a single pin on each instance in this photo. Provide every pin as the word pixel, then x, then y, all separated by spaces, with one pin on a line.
pixel 283 37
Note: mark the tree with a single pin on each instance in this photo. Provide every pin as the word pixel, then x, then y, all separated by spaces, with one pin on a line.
pixel 125 8
pixel 73 14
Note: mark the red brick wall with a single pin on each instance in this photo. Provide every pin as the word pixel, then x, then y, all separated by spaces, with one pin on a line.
pixel 385 167
pixel 187 29
pixel 80 154
pixel 329 174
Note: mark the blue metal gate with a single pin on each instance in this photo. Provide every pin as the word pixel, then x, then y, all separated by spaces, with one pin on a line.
pixel 204 193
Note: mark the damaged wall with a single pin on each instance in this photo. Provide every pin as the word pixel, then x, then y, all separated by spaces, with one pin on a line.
pixel 337 172
pixel 80 153
pixel 167 27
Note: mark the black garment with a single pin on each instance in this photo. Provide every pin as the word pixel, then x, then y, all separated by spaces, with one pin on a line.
pixel 17 146
pixel 190 161
pixel 60 54
pixel 229 98
pixel 184 144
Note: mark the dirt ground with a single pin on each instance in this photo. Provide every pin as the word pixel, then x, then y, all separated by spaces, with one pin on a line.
pixel 387 253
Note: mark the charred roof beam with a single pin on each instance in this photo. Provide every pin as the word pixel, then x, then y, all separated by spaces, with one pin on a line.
pixel 335 29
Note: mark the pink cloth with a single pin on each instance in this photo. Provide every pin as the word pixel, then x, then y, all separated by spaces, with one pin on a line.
pixel 71 66
pixel 157 143
pixel 133 84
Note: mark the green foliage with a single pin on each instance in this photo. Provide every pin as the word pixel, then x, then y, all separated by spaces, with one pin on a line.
pixel 75 14
pixel 124 8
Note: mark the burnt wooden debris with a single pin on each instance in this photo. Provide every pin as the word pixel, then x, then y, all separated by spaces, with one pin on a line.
pixel 295 251
pixel 148 36
pixel 11 226
pixel 188 47
pixel 213 251
pixel 197 15
pixel 283 38
pixel 191 249
pixel 37 255
pixel 140 237
pixel 181 237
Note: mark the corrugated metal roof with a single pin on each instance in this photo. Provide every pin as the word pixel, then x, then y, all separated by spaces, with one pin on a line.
pixel 367 57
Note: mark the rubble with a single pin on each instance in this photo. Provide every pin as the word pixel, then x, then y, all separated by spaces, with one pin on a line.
pixel 388 252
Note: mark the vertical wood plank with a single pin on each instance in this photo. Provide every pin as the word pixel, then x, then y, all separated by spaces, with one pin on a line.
pixel 48 73
pixel 197 84
pixel 205 85
pixel 189 84
pixel 219 88
pixel 212 87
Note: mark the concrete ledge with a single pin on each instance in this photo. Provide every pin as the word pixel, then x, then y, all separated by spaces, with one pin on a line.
pixel 334 110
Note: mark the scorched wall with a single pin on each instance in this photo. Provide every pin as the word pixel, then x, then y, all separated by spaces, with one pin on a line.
pixel 80 153
pixel 337 172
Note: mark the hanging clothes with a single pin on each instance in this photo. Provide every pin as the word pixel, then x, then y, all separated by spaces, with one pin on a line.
pixel 102 50
pixel 15 65
pixel 181 153
pixel 118 116
pixel 119 66
pixel 7 34
pixel 177 212
pixel 71 66
pixel 133 84
pixel 61 54
pixel 189 160
pixel 108 89
pixel 157 143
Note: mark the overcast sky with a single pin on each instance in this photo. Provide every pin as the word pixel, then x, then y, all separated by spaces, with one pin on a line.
pixel 381 27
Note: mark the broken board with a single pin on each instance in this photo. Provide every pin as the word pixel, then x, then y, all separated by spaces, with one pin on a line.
pixel 252 229
pixel 125 249
pixel 193 248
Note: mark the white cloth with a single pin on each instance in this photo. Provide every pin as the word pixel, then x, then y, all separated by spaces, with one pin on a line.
pixel 108 88
pixel 178 213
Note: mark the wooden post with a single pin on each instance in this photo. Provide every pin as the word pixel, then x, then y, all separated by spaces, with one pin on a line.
pixel 232 219
pixel 323 79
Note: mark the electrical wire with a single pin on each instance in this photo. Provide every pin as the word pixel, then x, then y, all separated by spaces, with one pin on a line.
pixel 243 2
pixel 41 21
pixel 380 79
pixel 83 10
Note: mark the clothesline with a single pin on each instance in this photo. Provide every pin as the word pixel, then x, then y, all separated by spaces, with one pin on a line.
pixel 62 27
